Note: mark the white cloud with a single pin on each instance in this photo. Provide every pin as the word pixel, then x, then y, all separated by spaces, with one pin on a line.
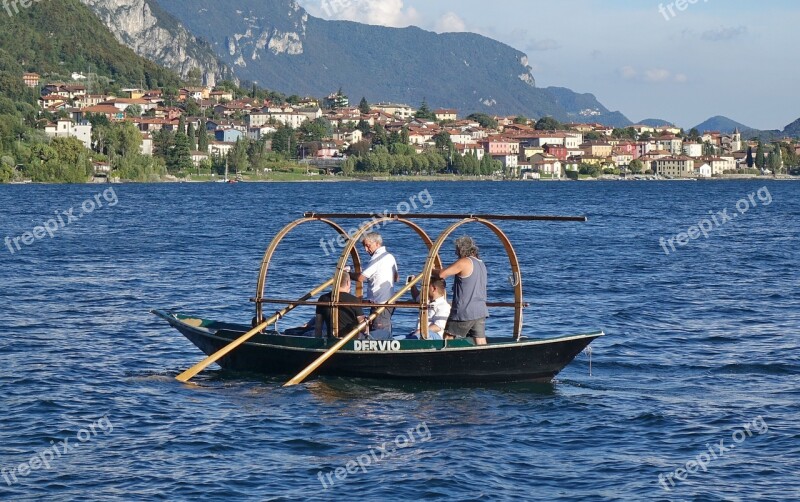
pixel 652 75
pixel 628 72
pixel 656 75
pixel 450 23
pixel 378 12
pixel 521 38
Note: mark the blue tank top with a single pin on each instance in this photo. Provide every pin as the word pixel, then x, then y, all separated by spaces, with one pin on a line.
pixel 469 294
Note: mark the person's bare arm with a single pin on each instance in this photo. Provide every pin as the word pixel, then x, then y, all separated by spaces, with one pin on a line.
pixel 456 268
pixel 361 319
pixel 357 277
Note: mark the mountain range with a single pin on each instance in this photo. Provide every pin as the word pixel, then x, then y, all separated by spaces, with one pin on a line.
pixel 726 125
pixel 723 125
pixel 278 45
pixel 152 33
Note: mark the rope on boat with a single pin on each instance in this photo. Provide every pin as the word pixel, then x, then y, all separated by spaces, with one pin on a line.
pixel 588 352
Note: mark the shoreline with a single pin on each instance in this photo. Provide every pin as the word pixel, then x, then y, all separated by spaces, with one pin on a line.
pixel 417 179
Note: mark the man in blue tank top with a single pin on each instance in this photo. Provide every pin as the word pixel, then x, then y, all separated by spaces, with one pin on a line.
pixel 468 311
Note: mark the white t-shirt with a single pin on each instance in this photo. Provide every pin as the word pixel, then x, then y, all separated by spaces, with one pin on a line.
pixel 380 273
pixel 438 312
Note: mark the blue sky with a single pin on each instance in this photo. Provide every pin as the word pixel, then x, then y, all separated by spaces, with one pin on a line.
pixel 733 57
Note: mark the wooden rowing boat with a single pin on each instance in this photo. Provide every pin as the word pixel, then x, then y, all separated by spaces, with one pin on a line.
pixel 512 358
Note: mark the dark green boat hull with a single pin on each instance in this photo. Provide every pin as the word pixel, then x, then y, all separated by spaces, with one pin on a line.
pixel 502 360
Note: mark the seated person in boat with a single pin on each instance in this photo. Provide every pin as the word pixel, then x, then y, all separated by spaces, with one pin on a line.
pixel 468 311
pixel 438 309
pixel 307 329
pixel 349 317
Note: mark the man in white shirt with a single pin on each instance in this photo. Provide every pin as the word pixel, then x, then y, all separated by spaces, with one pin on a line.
pixel 438 309
pixel 380 276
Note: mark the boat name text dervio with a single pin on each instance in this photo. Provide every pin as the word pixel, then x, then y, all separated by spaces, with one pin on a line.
pixel 376 345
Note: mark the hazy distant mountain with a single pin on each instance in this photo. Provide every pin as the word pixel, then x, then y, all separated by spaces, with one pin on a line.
pixel 278 45
pixel 723 125
pixel 655 122
pixel 586 107
pixel 792 129
pixel 726 125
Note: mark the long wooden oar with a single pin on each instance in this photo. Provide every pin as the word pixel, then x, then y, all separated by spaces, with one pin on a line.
pixel 341 343
pixel 197 368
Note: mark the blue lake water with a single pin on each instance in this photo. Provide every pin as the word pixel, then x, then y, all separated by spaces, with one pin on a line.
pixel 700 362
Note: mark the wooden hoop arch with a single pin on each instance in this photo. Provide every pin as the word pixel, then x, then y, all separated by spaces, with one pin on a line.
pixel 350 249
pixel 273 246
pixel 512 257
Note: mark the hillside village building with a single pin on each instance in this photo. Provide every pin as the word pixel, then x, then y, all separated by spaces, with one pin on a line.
pixel 65 128
pixel 517 145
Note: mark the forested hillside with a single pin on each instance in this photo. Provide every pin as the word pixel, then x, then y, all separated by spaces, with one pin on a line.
pixel 55 39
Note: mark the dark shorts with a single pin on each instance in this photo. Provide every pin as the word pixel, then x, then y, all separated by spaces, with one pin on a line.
pixel 466 329
pixel 383 321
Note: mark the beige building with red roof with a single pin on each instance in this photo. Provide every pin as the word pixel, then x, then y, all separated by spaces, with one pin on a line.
pixel 680 166
pixel 446 114
pixel 31 79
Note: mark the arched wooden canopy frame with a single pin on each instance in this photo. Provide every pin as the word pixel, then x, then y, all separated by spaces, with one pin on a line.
pixel 432 261
pixel 273 246
pixel 430 264
pixel 349 249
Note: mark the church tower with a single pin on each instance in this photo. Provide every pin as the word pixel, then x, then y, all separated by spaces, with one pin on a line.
pixel 736 141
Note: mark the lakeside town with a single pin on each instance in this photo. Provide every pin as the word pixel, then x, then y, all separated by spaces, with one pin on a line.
pixel 211 133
